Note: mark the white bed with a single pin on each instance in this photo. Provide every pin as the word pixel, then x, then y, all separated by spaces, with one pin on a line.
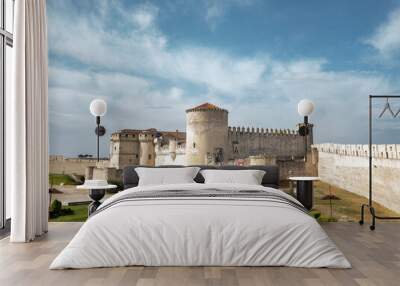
pixel 202 231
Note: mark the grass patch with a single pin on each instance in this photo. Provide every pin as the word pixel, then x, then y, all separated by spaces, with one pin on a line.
pixel 323 218
pixel 345 209
pixel 60 179
pixel 79 215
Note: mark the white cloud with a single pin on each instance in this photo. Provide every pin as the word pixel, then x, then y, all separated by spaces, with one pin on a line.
pixel 216 10
pixel 216 70
pixel 386 39
pixel 176 93
pixel 145 16
pixel 147 52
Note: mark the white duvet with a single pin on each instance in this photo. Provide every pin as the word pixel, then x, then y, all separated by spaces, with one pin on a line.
pixel 200 231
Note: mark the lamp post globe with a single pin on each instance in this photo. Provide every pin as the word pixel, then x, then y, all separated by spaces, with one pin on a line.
pixel 305 107
pixel 98 107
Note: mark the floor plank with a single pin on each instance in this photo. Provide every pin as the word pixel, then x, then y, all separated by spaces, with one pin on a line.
pixel 375 257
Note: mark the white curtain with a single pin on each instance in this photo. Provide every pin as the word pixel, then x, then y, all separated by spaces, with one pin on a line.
pixel 28 157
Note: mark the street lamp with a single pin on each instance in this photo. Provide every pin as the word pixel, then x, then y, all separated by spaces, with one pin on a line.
pixel 305 107
pixel 98 108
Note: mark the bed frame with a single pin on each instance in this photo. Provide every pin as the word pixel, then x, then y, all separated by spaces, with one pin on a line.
pixel 270 179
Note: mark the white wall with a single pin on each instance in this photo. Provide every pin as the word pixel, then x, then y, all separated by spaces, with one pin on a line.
pixel 346 166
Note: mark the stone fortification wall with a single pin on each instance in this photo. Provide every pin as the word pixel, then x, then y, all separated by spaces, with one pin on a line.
pixel 165 157
pixel 346 166
pixel 245 142
pixel 61 165
pixel 288 167
pixel 112 175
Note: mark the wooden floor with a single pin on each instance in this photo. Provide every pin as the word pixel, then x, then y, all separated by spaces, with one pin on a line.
pixel 375 257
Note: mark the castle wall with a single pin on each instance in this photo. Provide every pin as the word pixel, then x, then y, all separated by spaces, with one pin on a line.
pixel 112 175
pixel 61 165
pixel 291 168
pixel 206 130
pixel 164 157
pixel 288 167
pixel 346 166
pixel 245 142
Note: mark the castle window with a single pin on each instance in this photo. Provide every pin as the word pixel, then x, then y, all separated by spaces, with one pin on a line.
pixel 137 156
pixel 149 156
pixel 194 145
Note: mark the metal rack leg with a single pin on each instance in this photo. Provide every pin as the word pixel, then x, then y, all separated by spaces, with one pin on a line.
pixel 361 222
pixel 374 216
pixel 372 211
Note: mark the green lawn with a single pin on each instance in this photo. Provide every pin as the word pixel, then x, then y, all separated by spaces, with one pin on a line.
pixel 58 179
pixel 80 214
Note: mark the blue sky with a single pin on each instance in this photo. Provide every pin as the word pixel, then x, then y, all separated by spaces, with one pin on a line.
pixel 151 60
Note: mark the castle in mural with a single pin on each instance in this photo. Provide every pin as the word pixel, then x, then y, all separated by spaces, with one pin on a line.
pixel 208 140
pixel 140 147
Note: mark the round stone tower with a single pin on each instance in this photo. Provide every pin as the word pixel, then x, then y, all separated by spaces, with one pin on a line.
pixel 206 135
pixel 147 150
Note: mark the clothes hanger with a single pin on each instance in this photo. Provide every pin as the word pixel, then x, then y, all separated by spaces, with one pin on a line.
pixel 387 107
pixel 397 113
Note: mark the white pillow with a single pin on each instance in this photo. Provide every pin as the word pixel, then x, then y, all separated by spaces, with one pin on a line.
pixel 166 176
pixel 248 177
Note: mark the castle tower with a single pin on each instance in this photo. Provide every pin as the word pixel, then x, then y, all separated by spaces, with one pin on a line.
pixel 147 149
pixel 206 135
pixel 124 148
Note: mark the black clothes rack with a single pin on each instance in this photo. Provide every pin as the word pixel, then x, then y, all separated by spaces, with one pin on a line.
pixel 369 205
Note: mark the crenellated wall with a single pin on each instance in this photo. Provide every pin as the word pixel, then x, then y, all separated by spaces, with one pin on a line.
pixel 346 166
pixel 381 151
pixel 60 165
pixel 244 142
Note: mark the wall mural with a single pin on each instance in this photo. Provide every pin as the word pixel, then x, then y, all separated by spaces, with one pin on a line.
pixel 215 82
